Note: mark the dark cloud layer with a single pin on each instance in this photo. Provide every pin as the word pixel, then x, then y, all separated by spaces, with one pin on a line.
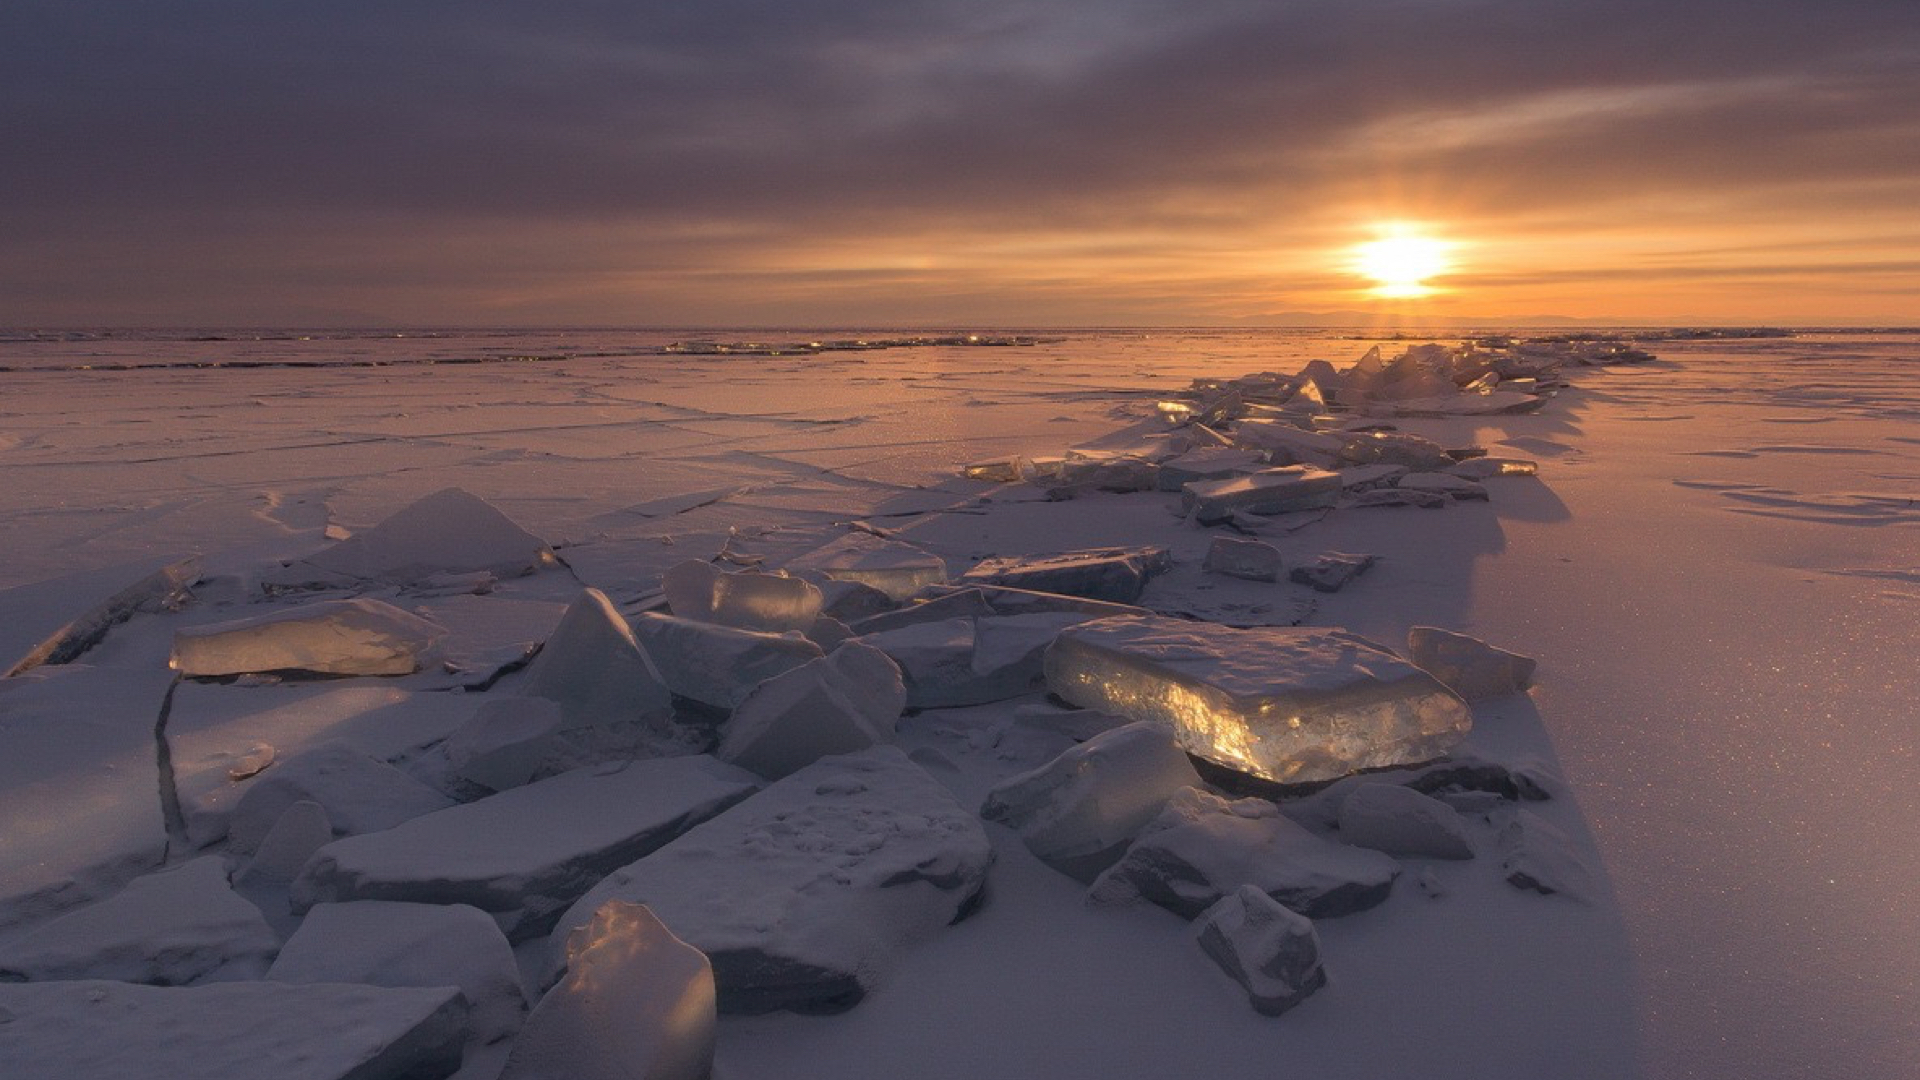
pixel 310 147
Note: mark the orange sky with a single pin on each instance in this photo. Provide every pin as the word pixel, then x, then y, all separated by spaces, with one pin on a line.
pixel 931 162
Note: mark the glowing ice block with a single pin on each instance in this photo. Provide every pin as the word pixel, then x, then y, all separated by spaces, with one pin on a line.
pixel 1288 704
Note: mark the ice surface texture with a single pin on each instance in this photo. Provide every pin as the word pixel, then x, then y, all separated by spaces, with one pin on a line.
pixel 231 1031
pixel 802 894
pixel 1286 704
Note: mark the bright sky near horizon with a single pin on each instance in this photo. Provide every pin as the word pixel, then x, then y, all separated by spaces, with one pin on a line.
pixel 986 162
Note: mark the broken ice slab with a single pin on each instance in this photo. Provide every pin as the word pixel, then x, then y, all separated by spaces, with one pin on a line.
pixel 1116 575
pixel 637 1003
pixel 1401 821
pixel 360 795
pixel 1390 496
pixel 895 568
pixel 1330 571
pixel 595 670
pixel 176 927
pixel 506 742
pixel 1285 444
pixel 717 665
pixel 802 895
pixel 1468 666
pixel 1540 858
pixel 1078 812
pixel 1202 848
pixel 53 622
pixel 1394 448
pixel 1456 404
pixel 230 1031
pixel 746 599
pixel 332 637
pixel 998 470
pixel 1208 463
pixel 845 701
pixel 525 854
pixel 1457 488
pixel 1287 704
pixel 210 726
pixel 1270 491
pixel 957 662
pixel 448 532
pixel 382 943
pixel 954 603
pixel 1483 468
pixel 1252 560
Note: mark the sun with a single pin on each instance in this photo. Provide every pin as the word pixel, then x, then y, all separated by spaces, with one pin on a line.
pixel 1401 261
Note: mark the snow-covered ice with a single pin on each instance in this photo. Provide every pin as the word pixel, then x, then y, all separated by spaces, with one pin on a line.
pixel 229 1031
pixel 1254 560
pixel 175 927
pixel 451 531
pixel 359 793
pixel 1202 847
pixel 525 854
pixel 382 943
pixel 802 895
pixel 1266 947
pixel 1401 821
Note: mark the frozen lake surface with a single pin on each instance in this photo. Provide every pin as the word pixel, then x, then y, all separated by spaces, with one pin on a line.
pixel 1719 574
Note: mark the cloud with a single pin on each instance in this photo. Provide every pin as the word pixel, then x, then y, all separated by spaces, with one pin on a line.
pixel 322 145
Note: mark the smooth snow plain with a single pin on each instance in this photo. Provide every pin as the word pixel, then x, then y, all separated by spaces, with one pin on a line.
pixel 1717 568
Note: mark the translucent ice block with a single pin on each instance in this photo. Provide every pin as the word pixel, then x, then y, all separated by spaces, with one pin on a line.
pixel 746 599
pixel 1287 704
pixel 897 569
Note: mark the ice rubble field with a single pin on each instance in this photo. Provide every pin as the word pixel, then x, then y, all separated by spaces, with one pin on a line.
pixel 1723 616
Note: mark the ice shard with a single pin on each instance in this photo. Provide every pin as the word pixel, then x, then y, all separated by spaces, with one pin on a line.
pixel 1270 491
pixel 1287 704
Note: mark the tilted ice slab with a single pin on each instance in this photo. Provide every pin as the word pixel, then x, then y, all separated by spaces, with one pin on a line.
pixel 52 622
pixel 1468 666
pixel 895 568
pixel 333 637
pixel 845 701
pixel 229 1031
pixel 1289 704
pixel 449 532
pixel 801 895
pixel 525 854
pixel 751 601
pixel 1271 491
pixel 595 670
pixel 718 665
pixel 179 926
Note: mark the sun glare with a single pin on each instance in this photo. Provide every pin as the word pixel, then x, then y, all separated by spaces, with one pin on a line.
pixel 1401 262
